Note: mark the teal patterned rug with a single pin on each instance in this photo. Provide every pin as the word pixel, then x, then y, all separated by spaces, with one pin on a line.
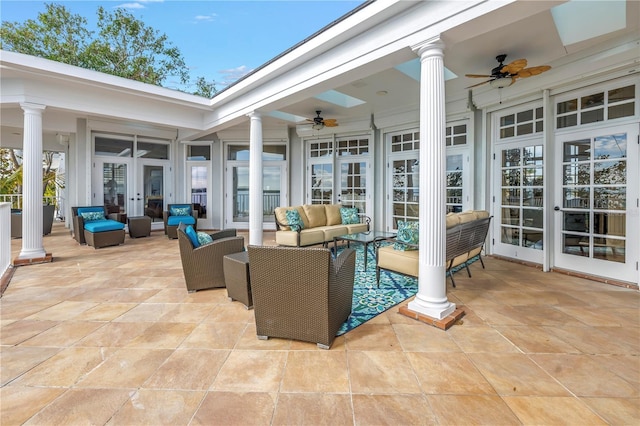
pixel 370 301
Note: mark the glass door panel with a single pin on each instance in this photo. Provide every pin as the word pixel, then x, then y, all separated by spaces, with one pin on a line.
pixel 455 166
pixel 240 194
pixel 353 184
pixel 115 187
pixel 321 183
pixel 272 191
pixel 519 197
pixel 405 176
pixel 151 196
pixel 198 184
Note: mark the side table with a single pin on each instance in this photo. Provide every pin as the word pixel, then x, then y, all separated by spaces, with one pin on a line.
pixel 236 277
pixel 139 226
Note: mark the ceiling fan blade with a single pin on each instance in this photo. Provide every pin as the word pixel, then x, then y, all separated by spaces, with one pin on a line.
pixel 479 84
pixel 330 122
pixel 477 76
pixel 514 66
pixel 528 72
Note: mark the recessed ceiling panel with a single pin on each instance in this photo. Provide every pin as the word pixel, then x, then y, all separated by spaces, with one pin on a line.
pixel 337 98
pixel 577 21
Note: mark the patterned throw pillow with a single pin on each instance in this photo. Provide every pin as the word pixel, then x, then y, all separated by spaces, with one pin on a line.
pixel 294 220
pixel 407 233
pixel 180 211
pixel 204 238
pixel 92 216
pixel 349 215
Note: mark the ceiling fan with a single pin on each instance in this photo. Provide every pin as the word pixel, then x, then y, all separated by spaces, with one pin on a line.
pixel 505 75
pixel 319 122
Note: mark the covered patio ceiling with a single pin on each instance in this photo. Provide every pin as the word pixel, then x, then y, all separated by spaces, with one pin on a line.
pixel 521 29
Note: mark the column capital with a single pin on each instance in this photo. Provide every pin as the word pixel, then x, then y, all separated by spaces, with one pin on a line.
pixel 434 43
pixel 32 108
pixel 254 115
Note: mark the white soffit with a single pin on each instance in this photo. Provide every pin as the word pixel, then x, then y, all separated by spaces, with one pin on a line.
pixel 579 20
pixel 338 98
pixel 286 116
pixel 412 69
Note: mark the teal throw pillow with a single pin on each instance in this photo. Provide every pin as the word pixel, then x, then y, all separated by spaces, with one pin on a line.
pixel 204 238
pixel 181 211
pixel 193 237
pixel 294 220
pixel 349 215
pixel 408 232
pixel 92 216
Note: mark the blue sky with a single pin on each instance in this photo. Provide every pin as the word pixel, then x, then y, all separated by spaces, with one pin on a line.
pixel 220 40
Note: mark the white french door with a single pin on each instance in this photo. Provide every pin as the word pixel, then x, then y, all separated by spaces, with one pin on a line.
pixel 112 184
pixel 596 202
pixel 518 195
pixel 274 175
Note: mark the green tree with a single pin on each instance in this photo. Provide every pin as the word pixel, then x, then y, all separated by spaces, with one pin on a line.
pixel 123 45
pixel 205 88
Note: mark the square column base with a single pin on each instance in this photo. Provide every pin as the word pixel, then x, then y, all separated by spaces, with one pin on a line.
pixel 48 258
pixel 443 324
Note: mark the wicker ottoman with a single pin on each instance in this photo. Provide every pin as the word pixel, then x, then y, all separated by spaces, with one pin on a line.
pixel 139 226
pixel 236 277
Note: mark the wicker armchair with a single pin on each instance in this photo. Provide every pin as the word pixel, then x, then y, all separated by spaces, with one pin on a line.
pixel 202 266
pixel 301 293
pixel 171 222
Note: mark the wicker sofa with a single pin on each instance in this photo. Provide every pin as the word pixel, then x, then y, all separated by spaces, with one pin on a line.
pixel 322 222
pixel 466 233
pixel 301 293
pixel 97 233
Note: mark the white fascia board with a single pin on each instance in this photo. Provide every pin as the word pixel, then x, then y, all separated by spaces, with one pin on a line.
pixel 58 70
pixel 374 49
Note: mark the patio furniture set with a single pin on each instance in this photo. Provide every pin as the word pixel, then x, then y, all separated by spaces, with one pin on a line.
pixel 99 226
pixel 305 293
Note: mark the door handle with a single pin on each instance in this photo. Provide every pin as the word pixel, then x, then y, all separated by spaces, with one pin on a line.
pixel 556 208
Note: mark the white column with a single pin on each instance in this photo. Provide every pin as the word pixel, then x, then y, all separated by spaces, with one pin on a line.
pixel 32 247
pixel 431 299
pixel 255 179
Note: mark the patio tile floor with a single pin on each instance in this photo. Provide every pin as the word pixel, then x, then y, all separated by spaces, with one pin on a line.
pixel 111 336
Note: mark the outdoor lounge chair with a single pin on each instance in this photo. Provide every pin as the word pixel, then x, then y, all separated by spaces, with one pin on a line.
pixel 202 266
pixel 177 214
pixel 301 293
pixel 91 226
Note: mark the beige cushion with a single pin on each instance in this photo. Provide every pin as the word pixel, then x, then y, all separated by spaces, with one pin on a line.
pixel 332 211
pixel 452 220
pixel 315 215
pixel 467 216
pixel 356 227
pixel 307 237
pixel 405 262
pixel 481 214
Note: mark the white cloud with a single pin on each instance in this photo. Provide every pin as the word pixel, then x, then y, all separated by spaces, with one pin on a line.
pixel 205 18
pixel 231 75
pixel 130 6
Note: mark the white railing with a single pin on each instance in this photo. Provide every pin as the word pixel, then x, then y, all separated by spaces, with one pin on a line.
pixel 15 202
pixel 5 237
